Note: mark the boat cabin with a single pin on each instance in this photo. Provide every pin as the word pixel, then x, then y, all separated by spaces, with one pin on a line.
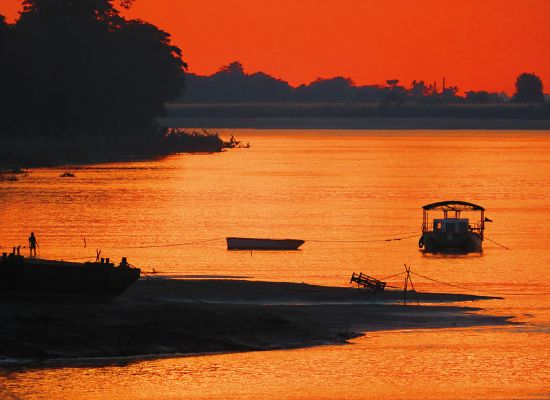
pixel 451 225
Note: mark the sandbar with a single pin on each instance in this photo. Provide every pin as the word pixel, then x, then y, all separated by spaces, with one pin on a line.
pixel 160 316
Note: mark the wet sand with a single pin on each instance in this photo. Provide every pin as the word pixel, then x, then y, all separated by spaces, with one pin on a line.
pixel 164 316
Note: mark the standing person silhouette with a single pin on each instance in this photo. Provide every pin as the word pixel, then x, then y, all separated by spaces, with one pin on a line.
pixel 32 244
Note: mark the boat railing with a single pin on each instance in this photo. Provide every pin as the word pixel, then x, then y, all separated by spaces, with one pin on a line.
pixel 474 228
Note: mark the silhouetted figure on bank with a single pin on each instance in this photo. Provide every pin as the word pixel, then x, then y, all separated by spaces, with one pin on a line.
pixel 32 244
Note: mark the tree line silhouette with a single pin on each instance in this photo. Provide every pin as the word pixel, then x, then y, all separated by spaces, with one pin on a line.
pixel 231 84
pixel 77 71
pixel 78 79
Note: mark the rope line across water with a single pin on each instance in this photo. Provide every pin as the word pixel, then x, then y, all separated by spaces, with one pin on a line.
pixel 477 290
pixel 393 276
pixel 223 238
pixel 492 241
pixel 361 241
pixel 167 245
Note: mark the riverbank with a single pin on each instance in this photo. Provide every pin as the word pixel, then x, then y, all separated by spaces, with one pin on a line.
pixel 355 123
pixel 28 152
pixel 358 115
pixel 163 316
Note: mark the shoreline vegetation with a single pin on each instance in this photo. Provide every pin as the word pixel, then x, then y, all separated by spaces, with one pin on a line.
pixel 508 116
pixel 21 153
pixel 159 317
pixel 100 83
pixel 512 111
pixel 356 123
pixel 104 82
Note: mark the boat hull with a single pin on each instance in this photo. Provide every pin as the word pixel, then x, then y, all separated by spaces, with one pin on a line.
pixel 236 243
pixel 455 243
pixel 32 278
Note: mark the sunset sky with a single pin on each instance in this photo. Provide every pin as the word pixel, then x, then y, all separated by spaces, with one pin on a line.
pixel 475 44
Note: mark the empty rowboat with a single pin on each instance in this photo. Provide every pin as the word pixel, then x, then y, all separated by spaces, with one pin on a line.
pixel 238 243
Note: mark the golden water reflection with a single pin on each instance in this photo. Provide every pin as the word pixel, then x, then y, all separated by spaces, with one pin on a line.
pixel 448 364
pixel 342 185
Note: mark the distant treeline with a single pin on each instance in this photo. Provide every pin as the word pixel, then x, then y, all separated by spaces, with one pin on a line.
pixel 206 111
pixel 79 82
pixel 232 85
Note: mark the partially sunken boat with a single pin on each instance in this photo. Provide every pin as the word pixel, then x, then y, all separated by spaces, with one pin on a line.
pixel 34 278
pixel 450 232
pixel 238 243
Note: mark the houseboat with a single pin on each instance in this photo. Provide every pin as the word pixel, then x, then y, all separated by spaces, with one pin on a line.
pixel 450 231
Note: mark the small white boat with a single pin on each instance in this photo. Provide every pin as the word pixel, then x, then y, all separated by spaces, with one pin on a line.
pixel 238 243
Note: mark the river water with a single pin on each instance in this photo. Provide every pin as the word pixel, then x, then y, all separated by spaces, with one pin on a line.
pixel 344 192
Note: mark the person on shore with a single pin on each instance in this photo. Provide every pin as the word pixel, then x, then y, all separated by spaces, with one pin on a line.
pixel 32 244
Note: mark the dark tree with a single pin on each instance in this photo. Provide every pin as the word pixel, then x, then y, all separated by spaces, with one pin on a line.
pixel 337 89
pixel 394 93
pixel 5 79
pixel 3 25
pixel 232 84
pixel 233 69
pixel 79 69
pixel 484 97
pixel 4 31
pixel 419 89
pixel 368 94
pixel 528 89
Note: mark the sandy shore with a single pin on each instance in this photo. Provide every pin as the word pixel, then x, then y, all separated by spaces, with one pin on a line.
pixel 162 316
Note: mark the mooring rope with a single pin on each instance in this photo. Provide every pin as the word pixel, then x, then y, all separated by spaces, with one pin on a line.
pixel 477 290
pixel 394 275
pixel 492 241
pixel 394 239
pixel 223 238
pixel 145 246
pixel 362 241
pixel 167 245
pixel 78 258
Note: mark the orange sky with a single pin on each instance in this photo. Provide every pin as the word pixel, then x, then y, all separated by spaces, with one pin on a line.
pixel 475 44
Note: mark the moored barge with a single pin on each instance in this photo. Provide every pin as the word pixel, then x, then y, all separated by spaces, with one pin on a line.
pixel 34 278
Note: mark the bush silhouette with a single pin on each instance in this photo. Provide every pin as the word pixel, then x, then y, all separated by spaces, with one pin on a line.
pixel 78 68
pixel 528 89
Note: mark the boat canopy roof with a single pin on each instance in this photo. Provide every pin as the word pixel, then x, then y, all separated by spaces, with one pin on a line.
pixel 453 205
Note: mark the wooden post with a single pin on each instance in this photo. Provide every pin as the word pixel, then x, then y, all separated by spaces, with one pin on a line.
pixel 409 279
pixel 405 293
